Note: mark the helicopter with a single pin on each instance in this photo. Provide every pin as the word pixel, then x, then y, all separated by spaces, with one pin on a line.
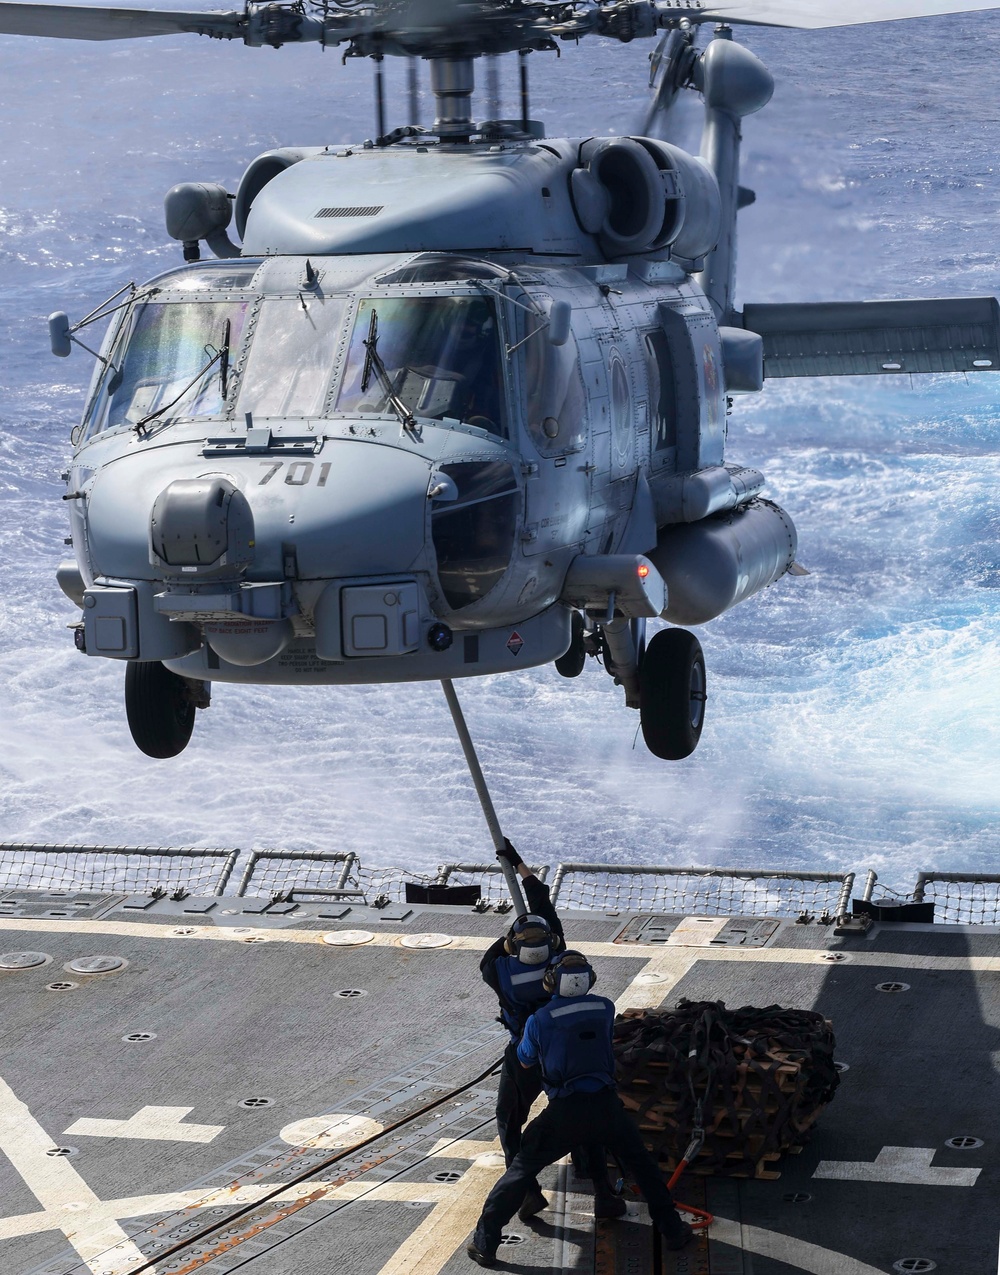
pixel 457 401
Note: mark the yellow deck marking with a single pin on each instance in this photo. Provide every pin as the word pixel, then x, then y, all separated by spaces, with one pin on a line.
pixel 449 1224
pixel 479 943
pixel 68 1201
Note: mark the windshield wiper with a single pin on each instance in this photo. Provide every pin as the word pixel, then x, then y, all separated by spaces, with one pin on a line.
pixel 373 363
pixel 224 359
pixel 140 426
pixel 220 356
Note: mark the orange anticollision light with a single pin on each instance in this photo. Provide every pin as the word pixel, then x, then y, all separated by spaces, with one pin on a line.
pixel 643 571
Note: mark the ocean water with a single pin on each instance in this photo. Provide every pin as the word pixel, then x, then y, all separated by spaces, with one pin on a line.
pixel 853 713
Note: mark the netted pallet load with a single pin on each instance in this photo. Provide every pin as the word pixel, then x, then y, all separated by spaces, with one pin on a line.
pixel 754 1079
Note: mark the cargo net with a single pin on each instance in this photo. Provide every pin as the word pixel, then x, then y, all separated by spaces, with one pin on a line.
pixel 695 891
pixel 971 900
pixel 754 1079
pixel 114 869
pixel 321 874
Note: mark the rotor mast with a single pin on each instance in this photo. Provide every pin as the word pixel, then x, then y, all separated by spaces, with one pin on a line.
pixel 453 80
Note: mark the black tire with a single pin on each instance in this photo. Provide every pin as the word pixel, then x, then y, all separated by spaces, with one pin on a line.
pixel 159 710
pixel 672 694
pixel 571 662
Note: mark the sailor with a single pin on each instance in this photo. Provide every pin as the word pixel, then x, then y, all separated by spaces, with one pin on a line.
pixel 569 1038
pixel 514 967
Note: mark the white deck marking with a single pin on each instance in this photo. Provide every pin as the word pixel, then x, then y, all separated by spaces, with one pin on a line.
pixel 909 1165
pixel 330 1131
pixel 174 1201
pixel 72 1205
pixel 159 1124
pixel 799 1254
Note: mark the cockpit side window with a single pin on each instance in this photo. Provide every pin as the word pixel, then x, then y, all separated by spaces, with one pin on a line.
pixel 292 358
pixel 168 364
pixel 440 355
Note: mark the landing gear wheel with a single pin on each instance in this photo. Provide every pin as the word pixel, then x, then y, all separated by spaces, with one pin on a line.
pixel 571 663
pixel 159 709
pixel 672 694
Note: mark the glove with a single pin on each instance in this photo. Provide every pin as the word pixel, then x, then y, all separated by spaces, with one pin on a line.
pixel 510 854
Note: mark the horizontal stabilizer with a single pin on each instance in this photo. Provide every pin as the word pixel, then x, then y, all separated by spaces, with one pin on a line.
pixel 865 338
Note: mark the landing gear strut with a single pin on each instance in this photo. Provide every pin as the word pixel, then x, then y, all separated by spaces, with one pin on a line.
pixel 672 694
pixel 160 707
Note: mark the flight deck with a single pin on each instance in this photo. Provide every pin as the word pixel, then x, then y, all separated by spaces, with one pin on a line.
pixel 304 1084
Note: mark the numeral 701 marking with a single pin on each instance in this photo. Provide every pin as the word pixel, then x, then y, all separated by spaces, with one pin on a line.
pixel 298 473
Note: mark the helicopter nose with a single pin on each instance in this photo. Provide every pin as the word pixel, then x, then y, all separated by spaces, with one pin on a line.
pixel 358 508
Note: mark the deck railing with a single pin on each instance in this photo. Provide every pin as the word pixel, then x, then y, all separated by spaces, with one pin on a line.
pixel 115 869
pixel 967 898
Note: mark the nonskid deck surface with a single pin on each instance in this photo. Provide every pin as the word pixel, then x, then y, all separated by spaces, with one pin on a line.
pixel 245 1094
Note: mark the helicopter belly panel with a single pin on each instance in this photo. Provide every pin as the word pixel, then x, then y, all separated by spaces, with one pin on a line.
pixel 537 640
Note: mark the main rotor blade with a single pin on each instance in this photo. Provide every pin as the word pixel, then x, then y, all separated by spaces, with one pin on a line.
pixel 830 13
pixel 88 22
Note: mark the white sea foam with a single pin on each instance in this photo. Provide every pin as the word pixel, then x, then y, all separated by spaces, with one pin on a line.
pixel 853 712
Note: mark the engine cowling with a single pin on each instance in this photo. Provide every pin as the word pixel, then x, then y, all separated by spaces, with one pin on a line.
pixel 639 195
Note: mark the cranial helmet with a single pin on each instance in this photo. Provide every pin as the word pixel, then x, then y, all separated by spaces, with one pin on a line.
pixel 531 940
pixel 569 975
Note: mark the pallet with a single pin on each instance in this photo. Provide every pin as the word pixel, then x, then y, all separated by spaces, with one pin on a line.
pixel 763 1100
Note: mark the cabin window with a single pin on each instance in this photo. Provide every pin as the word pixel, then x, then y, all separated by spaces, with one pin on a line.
pixel 555 400
pixel 474 535
pixel 292 358
pixel 662 393
pixel 440 356
pixel 166 369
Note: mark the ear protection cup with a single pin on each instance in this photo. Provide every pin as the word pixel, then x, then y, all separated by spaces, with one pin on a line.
pixel 527 933
pixel 567 962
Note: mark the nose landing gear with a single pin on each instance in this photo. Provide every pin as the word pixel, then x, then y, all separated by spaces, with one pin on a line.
pixel 672 696
pixel 160 707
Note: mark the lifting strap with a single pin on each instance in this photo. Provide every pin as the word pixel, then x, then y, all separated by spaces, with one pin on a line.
pixel 489 812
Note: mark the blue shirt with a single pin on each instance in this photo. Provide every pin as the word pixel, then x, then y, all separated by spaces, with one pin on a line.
pixel 521 992
pixel 570 1038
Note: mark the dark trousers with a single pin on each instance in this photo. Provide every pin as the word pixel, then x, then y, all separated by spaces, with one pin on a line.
pixel 518 1088
pixel 579 1119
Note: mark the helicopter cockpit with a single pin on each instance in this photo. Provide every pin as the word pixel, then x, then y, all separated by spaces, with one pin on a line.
pixel 202 343
pixel 441 357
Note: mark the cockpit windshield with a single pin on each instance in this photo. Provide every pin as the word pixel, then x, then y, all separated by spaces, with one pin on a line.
pixel 292 357
pixel 174 364
pixel 440 355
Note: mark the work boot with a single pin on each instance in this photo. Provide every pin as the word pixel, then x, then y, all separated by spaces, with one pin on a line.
pixel 532 1204
pixel 481 1255
pixel 609 1206
pixel 678 1239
